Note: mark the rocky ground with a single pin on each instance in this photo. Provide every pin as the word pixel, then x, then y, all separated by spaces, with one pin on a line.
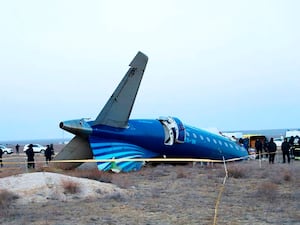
pixel 254 193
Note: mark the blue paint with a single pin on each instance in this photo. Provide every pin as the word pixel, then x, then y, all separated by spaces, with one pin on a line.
pixel 145 139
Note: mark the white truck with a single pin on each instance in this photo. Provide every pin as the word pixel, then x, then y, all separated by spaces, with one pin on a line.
pixel 290 133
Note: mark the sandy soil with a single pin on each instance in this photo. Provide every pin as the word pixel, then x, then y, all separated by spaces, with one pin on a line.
pixel 39 187
pixel 254 193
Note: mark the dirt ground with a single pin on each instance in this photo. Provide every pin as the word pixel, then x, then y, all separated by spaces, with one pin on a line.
pixel 254 193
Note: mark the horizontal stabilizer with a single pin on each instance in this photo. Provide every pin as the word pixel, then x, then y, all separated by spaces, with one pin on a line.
pixel 78 148
pixel 117 110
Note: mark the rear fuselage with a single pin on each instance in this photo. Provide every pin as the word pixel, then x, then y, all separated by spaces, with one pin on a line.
pixel 150 135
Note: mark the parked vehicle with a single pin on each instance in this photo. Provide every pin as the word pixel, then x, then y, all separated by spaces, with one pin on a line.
pixel 37 148
pixel 6 150
pixel 278 141
pixel 290 133
pixel 251 139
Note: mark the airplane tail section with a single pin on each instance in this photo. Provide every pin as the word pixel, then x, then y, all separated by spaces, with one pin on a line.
pixel 117 110
pixel 115 113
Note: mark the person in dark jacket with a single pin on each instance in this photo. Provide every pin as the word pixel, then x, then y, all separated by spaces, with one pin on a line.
pixel 48 154
pixel 291 142
pixel 30 157
pixel 272 150
pixel 258 147
pixel 17 148
pixel 52 149
pixel 1 153
pixel 285 148
pixel 265 146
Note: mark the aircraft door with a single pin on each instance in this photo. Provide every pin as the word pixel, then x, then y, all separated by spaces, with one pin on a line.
pixel 174 130
pixel 181 131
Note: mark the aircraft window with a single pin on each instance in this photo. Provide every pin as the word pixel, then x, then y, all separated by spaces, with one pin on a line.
pixel 187 134
pixel 202 138
pixel 220 142
pixel 231 146
pixel 226 144
pixel 215 141
pixel 194 135
pixel 236 147
pixel 207 138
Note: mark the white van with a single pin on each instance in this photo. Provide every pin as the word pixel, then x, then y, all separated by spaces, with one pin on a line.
pixel 37 148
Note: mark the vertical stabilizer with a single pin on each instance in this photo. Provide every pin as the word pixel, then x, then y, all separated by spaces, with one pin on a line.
pixel 117 110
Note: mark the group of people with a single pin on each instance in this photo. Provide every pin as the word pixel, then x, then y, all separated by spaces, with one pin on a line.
pixel 271 148
pixel 49 152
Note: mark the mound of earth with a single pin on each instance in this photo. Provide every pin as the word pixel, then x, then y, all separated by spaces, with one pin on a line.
pixel 45 186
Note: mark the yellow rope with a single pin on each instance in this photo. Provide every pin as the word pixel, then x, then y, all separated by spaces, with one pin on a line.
pixel 129 160
pixel 220 193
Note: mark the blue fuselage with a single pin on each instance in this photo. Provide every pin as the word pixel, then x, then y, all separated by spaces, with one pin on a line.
pixel 150 135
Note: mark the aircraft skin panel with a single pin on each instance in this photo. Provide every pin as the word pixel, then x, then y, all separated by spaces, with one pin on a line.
pixel 202 144
pixel 103 149
pixel 147 134
pixel 117 110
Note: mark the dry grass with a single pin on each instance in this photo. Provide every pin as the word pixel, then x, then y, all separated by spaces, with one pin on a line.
pixel 93 174
pixel 287 175
pixel 6 201
pixel 237 170
pixel 267 190
pixel 70 187
pixel 182 194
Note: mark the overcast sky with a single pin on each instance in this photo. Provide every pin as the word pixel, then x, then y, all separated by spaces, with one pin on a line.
pixel 227 64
